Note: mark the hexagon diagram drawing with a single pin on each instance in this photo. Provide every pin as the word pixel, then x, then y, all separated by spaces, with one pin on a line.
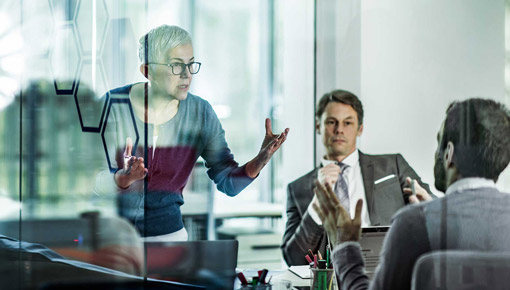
pixel 131 131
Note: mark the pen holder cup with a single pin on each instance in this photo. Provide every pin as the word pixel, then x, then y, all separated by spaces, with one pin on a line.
pixel 256 287
pixel 322 279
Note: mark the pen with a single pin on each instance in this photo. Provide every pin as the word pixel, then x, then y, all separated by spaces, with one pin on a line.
pixel 319 253
pixel 315 261
pixel 310 251
pixel 241 277
pixel 308 259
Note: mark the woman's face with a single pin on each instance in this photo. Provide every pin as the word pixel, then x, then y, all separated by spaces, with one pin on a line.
pixel 164 81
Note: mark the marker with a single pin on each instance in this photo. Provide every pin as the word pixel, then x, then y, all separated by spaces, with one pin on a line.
pixel 241 277
pixel 327 256
pixel 315 261
pixel 262 277
pixel 255 281
pixel 413 190
pixel 308 259
pixel 322 276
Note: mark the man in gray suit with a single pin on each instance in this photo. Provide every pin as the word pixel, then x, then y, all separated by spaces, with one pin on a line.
pixel 473 149
pixel 380 180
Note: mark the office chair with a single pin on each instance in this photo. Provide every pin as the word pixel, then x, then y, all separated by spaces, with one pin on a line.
pixel 462 270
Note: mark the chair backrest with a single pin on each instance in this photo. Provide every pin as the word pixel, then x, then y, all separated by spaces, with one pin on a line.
pixel 462 270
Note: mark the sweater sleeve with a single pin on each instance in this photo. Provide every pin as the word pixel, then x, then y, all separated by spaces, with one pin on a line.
pixel 226 173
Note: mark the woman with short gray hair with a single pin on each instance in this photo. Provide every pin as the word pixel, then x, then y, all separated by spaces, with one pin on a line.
pixel 180 128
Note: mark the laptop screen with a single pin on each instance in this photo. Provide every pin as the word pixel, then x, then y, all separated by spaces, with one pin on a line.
pixel 206 263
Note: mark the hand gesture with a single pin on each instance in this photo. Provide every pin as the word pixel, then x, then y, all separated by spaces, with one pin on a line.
pixel 133 169
pixel 269 146
pixel 329 174
pixel 271 142
pixel 336 220
pixel 419 194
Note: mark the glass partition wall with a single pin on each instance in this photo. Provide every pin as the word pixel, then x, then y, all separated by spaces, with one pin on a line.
pixel 61 62
pixel 65 122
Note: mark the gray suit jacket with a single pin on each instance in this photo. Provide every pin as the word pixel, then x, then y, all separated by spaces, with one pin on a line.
pixel 475 219
pixel 383 199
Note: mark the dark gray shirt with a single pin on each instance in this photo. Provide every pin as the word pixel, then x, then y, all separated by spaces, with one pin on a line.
pixel 476 219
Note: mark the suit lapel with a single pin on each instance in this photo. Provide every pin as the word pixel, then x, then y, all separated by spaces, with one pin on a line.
pixel 367 171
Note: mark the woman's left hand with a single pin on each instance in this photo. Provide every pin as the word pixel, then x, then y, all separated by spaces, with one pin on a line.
pixel 270 145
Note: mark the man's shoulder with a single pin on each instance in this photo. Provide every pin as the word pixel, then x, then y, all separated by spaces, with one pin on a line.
pixel 412 213
pixel 306 179
pixel 379 157
pixel 381 160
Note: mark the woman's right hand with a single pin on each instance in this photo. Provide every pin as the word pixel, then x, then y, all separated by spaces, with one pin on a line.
pixel 133 169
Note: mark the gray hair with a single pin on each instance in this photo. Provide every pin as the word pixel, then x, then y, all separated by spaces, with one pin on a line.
pixel 161 39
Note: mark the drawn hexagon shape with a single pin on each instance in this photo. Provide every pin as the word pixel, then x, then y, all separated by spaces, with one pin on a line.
pixel 63 10
pixel 36 35
pixel 112 131
pixel 119 53
pixel 91 96
pixel 64 59
pixel 84 25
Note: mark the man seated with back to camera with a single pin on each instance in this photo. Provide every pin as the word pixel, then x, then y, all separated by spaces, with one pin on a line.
pixel 382 181
pixel 473 149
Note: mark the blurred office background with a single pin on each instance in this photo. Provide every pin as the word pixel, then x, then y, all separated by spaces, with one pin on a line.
pixel 260 58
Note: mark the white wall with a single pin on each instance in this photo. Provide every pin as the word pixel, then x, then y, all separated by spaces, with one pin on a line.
pixel 416 57
pixel 297 89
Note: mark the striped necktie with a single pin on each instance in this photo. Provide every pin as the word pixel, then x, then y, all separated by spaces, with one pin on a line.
pixel 341 188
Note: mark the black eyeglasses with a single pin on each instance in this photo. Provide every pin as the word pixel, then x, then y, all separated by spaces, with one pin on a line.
pixel 178 67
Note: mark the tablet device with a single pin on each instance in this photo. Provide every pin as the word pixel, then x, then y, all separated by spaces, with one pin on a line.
pixel 371 243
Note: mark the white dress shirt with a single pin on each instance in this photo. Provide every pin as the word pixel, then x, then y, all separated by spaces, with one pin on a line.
pixel 354 181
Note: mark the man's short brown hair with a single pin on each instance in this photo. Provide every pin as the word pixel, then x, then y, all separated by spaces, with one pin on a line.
pixel 340 96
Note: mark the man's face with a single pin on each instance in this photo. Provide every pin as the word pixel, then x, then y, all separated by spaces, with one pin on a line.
pixel 439 168
pixel 176 86
pixel 339 128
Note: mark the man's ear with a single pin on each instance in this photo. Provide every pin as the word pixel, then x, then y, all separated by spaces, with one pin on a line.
pixel 318 126
pixel 144 69
pixel 448 154
pixel 360 130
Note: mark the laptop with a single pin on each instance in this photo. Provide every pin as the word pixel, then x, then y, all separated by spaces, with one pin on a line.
pixel 371 243
pixel 206 263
